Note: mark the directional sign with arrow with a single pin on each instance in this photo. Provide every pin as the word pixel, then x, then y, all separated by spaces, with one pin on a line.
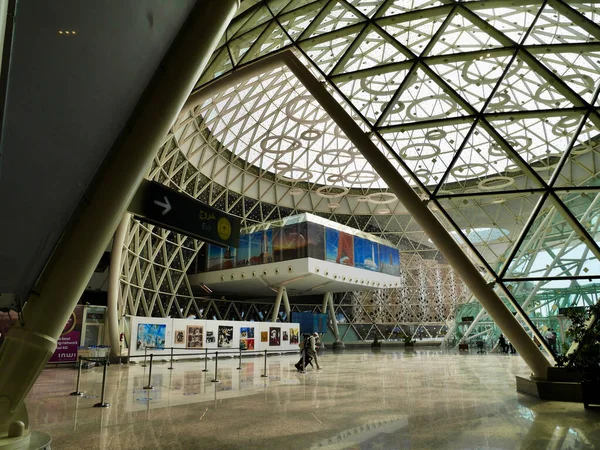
pixel 159 205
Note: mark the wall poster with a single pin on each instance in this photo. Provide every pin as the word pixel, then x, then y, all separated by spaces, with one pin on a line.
pixel 225 336
pixel 264 336
pixel 179 336
pixel 210 337
pixel 294 334
pixel 151 336
pixel 284 335
pixel 247 338
pixel 274 336
pixel 194 336
pixel 69 340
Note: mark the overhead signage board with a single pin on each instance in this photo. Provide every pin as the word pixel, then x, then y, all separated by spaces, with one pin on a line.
pixel 468 319
pixel 159 205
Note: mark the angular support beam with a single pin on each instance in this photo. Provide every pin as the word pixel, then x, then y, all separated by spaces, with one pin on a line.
pixel 453 253
pixel 30 344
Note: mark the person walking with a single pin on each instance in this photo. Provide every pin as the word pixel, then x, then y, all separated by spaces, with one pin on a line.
pixel 312 348
pixel 551 339
pixel 502 343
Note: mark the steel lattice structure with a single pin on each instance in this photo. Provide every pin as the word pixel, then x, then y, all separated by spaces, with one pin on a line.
pixel 490 109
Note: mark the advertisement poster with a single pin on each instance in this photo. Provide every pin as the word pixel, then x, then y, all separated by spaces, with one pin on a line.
pixel 274 336
pixel 220 258
pixel 261 247
pixel 294 335
pixel 243 251
pixel 151 336
pixel 194 336
pixel 339 247
pixel 316 241
pixel 290 242
pixel 284 336
pixel 389 260
pixel 247 338
pixel 225 336
pixel 68 342
pixel 264 336
pixel 366 254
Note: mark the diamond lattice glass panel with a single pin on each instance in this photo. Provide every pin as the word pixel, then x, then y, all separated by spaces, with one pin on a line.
pixel 580 71
pixel 513 21
pixel 580 168
pixel 274 39
pixel 585 206
pixel 462 35
pixel 287 133
pixel 485 165
pixel 428 151
pixel 240 46
pixel 491 223
pixel 370 94
pixel 372 48
pixel 551 248
pixel 540 142
pixel 422 98
pixel 414 34
pixel 326 53
pixel 366 7
pixel 524 89
pixel 220 65
pixel 277 6
pixel 257 17
pixel 472 78
pixel 552 27
pixel 401 6
pixel 590 10
pixel 339 15
pixel 297 21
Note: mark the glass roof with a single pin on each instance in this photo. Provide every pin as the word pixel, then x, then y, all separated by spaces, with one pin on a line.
pixel 490 109
pixel 446 89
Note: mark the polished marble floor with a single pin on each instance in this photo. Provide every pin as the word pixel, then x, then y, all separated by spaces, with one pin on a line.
pixel 420 399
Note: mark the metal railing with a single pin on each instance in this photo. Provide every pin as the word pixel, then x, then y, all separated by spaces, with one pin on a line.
pixel 105 362
pixel 150 358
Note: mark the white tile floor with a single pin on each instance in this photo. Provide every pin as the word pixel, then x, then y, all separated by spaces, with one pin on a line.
pixel 421 399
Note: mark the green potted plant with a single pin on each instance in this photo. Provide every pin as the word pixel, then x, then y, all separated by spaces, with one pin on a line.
pixel 408 341
pixel 585 359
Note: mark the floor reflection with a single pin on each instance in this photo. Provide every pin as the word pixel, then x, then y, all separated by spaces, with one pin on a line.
pixel 424 399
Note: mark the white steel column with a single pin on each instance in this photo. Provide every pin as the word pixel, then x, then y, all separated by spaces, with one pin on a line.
pixel 286 305
pixel 30 344
pixel 114 284
pixel 275 313
pixel 334 324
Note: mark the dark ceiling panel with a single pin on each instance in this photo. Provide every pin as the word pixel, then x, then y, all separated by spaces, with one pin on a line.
pixel 69 96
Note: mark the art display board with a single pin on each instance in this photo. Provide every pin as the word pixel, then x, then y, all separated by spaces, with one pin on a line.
pixel 146 332
pixel 280 336
pixel 194 336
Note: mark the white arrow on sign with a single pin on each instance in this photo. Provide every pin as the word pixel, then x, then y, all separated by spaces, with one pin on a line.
pixel 166 205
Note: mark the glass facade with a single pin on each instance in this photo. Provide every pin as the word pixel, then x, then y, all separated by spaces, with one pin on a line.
pixel 489 110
